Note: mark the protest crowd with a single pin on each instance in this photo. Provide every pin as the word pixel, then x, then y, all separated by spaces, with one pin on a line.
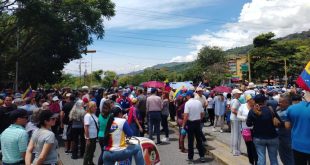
pixel 272 119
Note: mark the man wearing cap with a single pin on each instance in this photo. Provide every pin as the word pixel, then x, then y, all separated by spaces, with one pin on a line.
pixel 85 91
pixel 153 107
pixel 235 123
pixel 125 101
pixel 193 114
pixel 250 90
pixel 14 139
pixel 200 97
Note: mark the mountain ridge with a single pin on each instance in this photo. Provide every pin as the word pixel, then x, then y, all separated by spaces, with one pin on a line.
pixel 237 51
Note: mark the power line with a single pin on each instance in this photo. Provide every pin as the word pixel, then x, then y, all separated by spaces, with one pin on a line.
pixel 145 58
pixel 166 13
pixel 143 13
pixel 139 44
pixel 149 34
pixel 147 39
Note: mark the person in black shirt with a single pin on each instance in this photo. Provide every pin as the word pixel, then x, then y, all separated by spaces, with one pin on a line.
pixel 65 124
pixel 5 110
pixel 264 130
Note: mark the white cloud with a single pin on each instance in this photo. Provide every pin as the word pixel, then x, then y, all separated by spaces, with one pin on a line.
pixel 137 14
pixel 259 16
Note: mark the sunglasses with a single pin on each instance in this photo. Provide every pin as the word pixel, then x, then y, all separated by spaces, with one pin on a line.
pixel 24 117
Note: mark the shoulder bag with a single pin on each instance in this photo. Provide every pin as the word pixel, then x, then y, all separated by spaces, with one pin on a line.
pixel 276 122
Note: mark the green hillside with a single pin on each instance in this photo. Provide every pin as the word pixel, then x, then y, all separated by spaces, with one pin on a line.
pixel 181 66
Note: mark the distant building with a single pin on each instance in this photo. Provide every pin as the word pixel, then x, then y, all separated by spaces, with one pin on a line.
pixel 235 64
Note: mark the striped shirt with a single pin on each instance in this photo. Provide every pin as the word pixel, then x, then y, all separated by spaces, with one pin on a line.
pixel 14 141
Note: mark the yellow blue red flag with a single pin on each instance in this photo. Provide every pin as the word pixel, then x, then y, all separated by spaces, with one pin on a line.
pixel 303 81
pixel 27 93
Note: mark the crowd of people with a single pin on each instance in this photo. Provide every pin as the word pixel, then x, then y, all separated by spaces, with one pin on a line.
pixel 272 119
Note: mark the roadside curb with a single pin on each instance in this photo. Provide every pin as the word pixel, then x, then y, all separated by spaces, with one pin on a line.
pixel 219 151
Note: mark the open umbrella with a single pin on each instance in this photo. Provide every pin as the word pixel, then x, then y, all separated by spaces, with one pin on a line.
pixel 222 89
pixel 154 84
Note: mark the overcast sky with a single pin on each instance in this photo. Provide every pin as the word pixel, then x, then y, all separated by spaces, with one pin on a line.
pixel 146 33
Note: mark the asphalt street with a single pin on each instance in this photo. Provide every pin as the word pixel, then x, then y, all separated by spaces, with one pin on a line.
pixel 169 154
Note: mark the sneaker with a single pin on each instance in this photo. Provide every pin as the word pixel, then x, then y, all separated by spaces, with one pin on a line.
pixel 214 130
pixel 165 139
pixel 68 152
pixel 202 159
pixel 237 153
pixel 221 131
pixel 190 161
pixel 159 143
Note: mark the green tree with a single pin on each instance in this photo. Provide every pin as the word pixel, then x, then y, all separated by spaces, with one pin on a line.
pixel 208 56
pixel 108 78
pixel 210 65
pixel 50 34
pixel 269 56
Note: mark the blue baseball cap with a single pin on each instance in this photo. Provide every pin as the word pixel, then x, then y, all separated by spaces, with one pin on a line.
pixel 190 93
pixel 153 90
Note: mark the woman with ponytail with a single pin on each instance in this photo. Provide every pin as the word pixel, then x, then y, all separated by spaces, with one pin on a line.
pixel 116 148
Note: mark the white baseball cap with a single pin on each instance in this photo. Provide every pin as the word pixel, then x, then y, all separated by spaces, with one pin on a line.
pixel 236 91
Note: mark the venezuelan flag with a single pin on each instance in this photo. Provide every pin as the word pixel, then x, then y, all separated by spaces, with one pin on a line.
pixel 27 93
pixel 303 80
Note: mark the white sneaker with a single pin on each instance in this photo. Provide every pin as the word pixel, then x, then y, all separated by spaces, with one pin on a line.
pixel 221 131
pixel 214 130
pixel 165 139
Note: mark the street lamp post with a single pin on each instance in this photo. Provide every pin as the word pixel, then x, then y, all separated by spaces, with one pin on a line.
pixel 91 65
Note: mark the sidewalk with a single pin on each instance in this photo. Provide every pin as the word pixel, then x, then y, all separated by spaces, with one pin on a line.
pixel 218 147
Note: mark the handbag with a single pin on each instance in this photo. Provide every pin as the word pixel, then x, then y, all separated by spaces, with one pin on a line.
pixel 246 134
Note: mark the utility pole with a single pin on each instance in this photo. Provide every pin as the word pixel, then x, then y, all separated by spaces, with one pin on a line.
pixel 17 46
pixel 249 67
pixel 285 71
pixel 91 65
pixel 80 69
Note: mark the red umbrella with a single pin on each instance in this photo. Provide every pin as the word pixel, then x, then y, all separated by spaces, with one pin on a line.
pixel 222 89
pixel 154 84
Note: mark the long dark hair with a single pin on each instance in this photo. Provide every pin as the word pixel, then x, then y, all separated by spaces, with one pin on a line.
pixel 114 112
pixel 106 108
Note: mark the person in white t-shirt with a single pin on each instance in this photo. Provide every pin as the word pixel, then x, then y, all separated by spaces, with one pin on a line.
pixel 90 132
pixel 193 114
pixel 210 108
pixel 235 123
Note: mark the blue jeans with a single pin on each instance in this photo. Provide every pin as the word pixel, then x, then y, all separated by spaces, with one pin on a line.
pixel 272 146
pixel 110 157
pixel 154 125
pixel 285 150
pixel 135 129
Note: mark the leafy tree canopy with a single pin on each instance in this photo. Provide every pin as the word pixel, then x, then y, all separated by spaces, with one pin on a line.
pixel 49 34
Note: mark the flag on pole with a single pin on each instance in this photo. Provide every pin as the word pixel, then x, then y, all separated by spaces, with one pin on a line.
pixel 303 81
pixel 27 93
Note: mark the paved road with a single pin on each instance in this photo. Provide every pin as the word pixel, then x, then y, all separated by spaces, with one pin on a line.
pixel 169 154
